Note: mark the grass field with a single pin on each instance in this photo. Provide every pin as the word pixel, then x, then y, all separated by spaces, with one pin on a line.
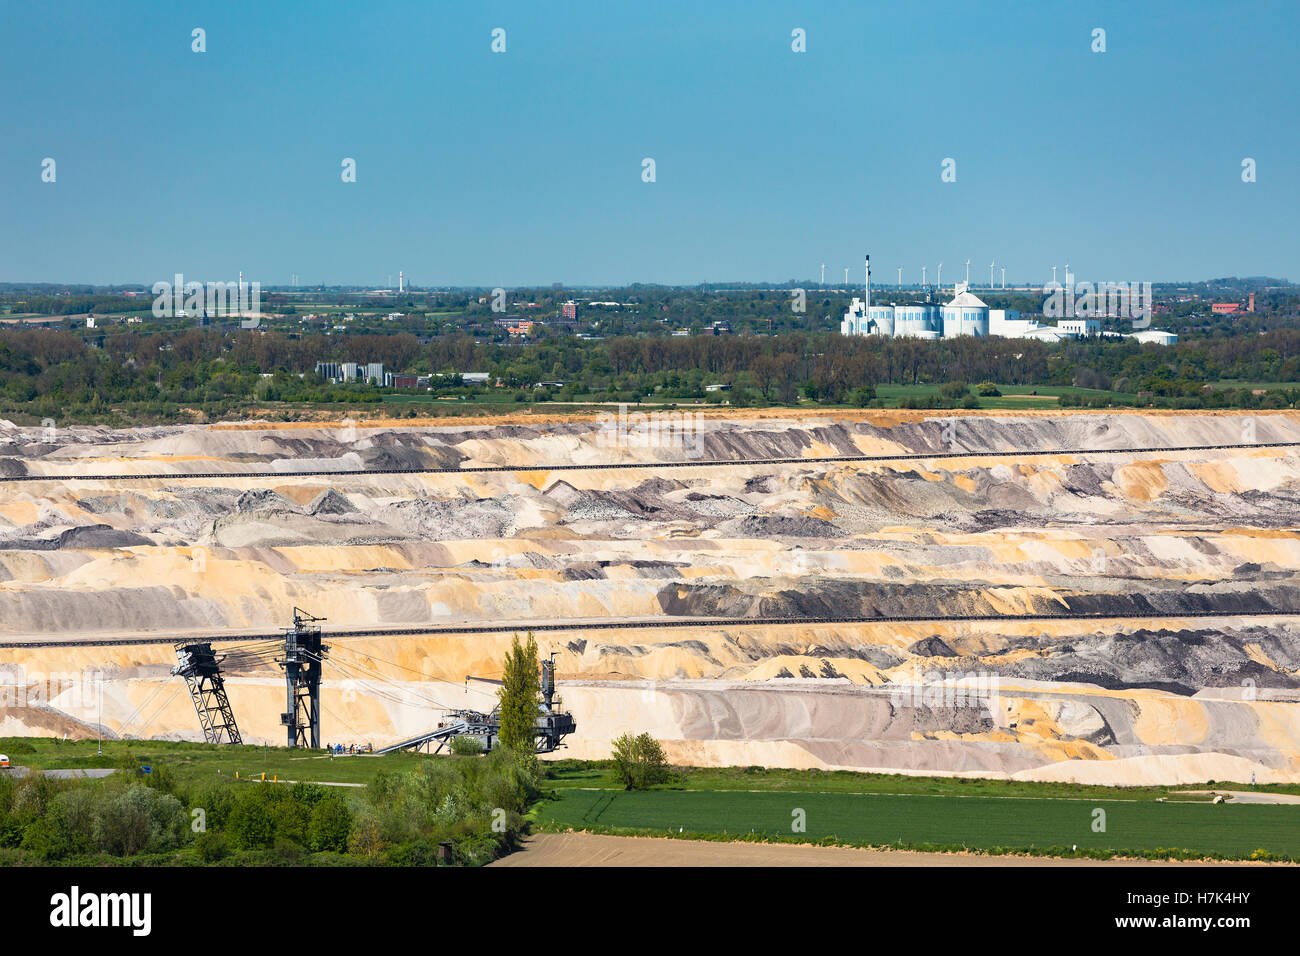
pixel 755 803
pixel 585 775
pixel 1012 397
pixel 1237 383
pixel 201 762
pixel 1024 824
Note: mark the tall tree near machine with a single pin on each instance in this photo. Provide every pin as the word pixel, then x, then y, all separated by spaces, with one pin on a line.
pixel 520 695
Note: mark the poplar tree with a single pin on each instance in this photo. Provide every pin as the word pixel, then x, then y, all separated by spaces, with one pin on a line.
pixel 520 696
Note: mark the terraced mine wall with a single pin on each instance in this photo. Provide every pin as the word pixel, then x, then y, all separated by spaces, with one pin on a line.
pixel 1115 527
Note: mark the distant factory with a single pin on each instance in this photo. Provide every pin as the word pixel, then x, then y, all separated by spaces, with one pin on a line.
pixel 365 373
pixel 967 314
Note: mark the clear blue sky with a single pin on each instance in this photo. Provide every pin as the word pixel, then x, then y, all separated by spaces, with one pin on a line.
pixel 476 168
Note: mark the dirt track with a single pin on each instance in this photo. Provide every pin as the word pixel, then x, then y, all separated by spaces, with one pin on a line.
pixel 591 849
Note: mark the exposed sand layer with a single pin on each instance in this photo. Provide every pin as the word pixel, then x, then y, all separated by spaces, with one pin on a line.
pixel 1162 699
pixel 593 849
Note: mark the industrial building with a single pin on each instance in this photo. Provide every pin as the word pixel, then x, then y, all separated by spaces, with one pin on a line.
pixel 965 314
pixel 367 373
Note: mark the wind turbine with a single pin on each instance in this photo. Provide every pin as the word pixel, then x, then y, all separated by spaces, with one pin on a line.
pixel 968 272
pixel 922 276
pixel 939 280
pixel 1004 277
pixel 900 277
pixel 991 265
pixel 846 278
pixel 823 282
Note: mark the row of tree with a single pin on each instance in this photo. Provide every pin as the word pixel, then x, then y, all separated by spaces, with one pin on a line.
pixel 53 373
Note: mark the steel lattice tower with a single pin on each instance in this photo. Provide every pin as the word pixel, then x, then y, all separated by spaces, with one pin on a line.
pixel 303 656
pixel 201 669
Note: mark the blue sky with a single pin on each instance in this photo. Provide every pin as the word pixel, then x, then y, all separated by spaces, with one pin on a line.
pixel 475 168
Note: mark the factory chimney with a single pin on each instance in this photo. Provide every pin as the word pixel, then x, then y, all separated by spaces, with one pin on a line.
pixel 866 296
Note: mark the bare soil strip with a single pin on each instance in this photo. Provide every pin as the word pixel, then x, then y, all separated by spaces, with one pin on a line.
pixel 593 849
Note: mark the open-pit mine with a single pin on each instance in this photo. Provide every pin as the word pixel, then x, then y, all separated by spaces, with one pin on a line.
pixel 1104 598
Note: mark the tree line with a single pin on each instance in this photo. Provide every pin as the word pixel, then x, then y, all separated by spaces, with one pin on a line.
pixel 58 373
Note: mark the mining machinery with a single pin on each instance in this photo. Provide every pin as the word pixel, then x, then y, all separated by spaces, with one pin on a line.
pixel 304 654
pixel 201 668
pixel 552 725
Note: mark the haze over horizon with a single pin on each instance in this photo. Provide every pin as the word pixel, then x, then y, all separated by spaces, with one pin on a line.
pixel 524 168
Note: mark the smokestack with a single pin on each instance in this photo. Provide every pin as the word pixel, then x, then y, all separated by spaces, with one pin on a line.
pixel 866 295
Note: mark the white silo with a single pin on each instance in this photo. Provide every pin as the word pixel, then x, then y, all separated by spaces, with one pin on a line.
pixel 881 319
pixel 966 314
pixel 911 321
pixel 861 319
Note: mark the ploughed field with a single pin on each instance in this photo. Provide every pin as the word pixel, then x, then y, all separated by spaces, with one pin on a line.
pixel 1154 692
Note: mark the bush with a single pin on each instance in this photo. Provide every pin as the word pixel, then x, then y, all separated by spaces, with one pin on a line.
pixel 367 839
pixel 212 847
pixel 987 390
pixel 330 826
pixel 413 853
pixel 864 396
pixel 466 746
pixel 250 824
pixel 216 800
pixel 639 762
pixel 140 819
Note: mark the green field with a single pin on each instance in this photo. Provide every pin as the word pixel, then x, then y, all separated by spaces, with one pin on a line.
pixel 588 775
pixel 951 822
pixel 190 763
pixel 1012 397
pixel 1236 383
pixel 754 803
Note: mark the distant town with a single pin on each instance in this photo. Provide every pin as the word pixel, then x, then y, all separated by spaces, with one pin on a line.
pixel 179 351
